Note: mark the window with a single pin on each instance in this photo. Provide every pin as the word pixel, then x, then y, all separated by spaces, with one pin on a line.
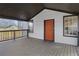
pixel 70 26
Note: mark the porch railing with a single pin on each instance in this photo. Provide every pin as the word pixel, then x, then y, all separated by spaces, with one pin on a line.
pixel 12 34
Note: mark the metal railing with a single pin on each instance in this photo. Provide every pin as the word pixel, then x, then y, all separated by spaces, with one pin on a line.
pixel 12 34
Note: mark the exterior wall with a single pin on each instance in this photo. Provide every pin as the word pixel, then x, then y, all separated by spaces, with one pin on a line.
pixel 58 17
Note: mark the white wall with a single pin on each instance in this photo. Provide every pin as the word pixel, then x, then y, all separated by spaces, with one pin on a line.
pixel 39 26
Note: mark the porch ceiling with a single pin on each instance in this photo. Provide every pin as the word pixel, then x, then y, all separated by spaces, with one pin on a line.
pixel 25 11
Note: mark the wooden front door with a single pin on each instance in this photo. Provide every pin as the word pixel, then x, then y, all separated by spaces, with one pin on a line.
pixel 49 30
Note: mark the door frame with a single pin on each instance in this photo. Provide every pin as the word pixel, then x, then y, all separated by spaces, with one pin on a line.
pixel 53 29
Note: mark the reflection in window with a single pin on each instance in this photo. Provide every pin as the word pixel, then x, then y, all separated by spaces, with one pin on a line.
pixel 71 26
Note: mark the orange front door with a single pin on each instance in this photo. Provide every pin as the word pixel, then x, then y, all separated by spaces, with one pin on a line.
pixel 49 30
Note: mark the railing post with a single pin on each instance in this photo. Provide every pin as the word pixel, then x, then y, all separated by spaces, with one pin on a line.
pixel 14 35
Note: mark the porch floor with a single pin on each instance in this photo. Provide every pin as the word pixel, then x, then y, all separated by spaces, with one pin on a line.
pixel 36 47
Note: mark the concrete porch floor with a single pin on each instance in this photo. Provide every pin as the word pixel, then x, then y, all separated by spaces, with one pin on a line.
pixel 35 47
